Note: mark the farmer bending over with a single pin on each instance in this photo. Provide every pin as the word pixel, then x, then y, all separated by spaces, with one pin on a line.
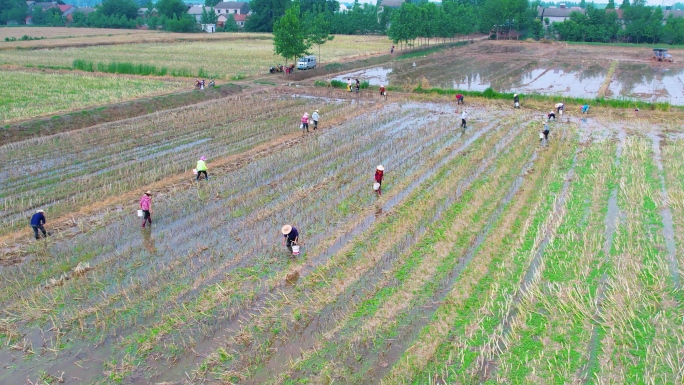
pixel 37 222
pixel 559 108
pixel 202 168
pixel 585 109
pixel 290 236
pixel 551 115
pixel 459 99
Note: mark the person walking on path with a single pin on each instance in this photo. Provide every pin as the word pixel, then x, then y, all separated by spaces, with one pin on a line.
pixel 146 207
pixel 464 116
pixel 37 222
pixel 379 173
pixel 305 122
pixel 545 131
pixel 383 92
pixel 392 50
pixel 202 168
pixel 516 101
pixel 315 117
pixel 349 85
pixel 358 85
pixel 290 236
pixel 459 99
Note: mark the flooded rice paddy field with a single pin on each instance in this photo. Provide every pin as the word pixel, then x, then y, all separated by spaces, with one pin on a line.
pixel 532 68
pixel 489 256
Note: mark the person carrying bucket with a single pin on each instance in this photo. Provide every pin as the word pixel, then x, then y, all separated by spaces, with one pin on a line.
pixel 315 117
pixel 559 108
pixel 379 173
pixel 305 122
pixel 516 101
pixel 545 131
pixel 383 92
pixel 291 238
pixel 37 222
pixel 202 168
pixel 146 207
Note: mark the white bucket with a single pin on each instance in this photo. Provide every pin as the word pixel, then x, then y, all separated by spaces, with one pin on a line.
pixel 517 104
pixel 140 213
pixel 376 186
pixel 194 171
pixel 295 249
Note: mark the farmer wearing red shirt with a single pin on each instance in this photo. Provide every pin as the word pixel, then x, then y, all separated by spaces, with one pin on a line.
pixel 379 172
pixel 459 99
pixel 146 207
pixel 383 92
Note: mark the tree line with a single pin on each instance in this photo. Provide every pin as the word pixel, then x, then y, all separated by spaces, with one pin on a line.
pixel 639 24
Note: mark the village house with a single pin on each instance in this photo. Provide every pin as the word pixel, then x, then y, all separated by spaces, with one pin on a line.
pixel 231 7
pixel 389 4
pixel 196 12
pixel 557 15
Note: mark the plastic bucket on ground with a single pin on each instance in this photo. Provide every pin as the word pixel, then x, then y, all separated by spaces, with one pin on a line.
pixel 295 249
pixel 140 213
pixel 376 186
pixel 194 171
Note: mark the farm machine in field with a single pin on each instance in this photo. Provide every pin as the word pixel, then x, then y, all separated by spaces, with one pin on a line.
pixel 660 54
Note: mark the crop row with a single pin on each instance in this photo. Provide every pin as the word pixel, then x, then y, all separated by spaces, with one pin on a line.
pixel 196 255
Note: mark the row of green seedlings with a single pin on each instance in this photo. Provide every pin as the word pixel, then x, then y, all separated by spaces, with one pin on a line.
pixel 363 253
pixel 489 93
pixel 123 176
pixel 317 261
pixel 446 347
pixel 129 68
pixel 42 273
pixel 217 309
pixel 469 285
pixel 131 294
pixel 559 306
pixel 36 274
pixel 673 175
pixel 380 319
pixel 641 312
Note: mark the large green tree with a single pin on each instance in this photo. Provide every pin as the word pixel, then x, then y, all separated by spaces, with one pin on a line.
pixel 171 8
pixel 290 35
pixel 318 31
pixel 264 14
pixel 13 10
pixel 127 8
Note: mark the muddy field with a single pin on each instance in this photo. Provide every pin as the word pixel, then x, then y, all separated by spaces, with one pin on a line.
pixel 491 256
pixel 550 69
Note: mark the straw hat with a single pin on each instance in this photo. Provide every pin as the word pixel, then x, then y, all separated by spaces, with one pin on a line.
pixel 306 114
pixel 148 192
pixel 286 229
pixel 40 211
pixel 316 111
pixel 381 168
pixel 514 95
pixel 203 157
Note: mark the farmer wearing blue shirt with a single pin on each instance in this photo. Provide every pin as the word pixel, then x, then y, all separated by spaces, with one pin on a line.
pixel 290 235
pixel 37 222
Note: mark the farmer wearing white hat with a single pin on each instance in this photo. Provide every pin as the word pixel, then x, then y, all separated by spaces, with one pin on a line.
pixel 379 173
pixel 37 222
pixel 559 108
pixel 305 122
pixel 146 207
pixel 551 115
pixel 315 118
pixel 290 236
pixel 464 116
pixel 516 101
pixel 202 168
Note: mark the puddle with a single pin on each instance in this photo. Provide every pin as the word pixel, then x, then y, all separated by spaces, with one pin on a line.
pixel 376 76
pixel 649 82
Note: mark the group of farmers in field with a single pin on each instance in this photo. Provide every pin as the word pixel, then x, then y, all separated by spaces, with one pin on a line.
pixel 290 233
